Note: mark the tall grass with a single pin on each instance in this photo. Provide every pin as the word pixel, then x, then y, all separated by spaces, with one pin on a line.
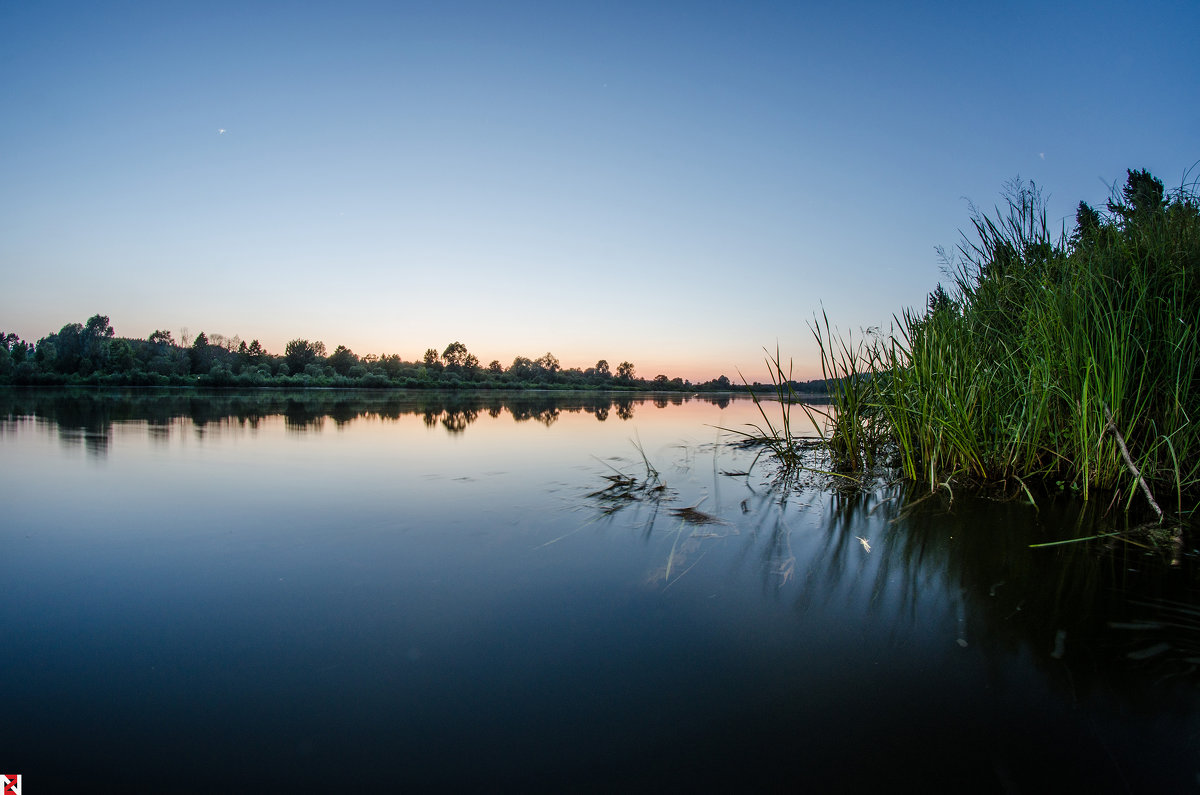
pixel 1048 356
pixel 777 436
pixel 852 428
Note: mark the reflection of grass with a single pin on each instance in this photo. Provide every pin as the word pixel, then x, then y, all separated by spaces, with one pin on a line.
pixel 1085 620
pixel 683 544
pixel 1166 633
pixel 692 528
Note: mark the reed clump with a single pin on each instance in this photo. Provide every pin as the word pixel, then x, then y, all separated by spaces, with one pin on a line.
pixel 1072 361
pixel 792 452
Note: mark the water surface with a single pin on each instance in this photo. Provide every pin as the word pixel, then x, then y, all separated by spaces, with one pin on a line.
pixel 436 591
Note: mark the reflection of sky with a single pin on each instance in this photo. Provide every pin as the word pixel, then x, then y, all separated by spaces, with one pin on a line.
pixel 271 464
pixel 663 183
pixel 376 597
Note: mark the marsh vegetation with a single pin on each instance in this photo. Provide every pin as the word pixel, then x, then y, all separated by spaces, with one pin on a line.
pixel 1053 363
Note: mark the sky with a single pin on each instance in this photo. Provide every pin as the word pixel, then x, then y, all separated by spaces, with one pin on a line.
pixel 679 185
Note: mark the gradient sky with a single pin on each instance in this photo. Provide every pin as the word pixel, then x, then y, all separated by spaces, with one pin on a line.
pixel 676 184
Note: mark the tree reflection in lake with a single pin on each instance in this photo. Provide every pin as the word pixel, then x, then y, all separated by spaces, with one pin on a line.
pixel 586 591
pixel 88 415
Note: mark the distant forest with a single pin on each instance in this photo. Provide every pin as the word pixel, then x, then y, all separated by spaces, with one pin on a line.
pixel 91 354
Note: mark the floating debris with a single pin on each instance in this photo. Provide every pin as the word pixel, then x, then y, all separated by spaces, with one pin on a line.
pixel 694 516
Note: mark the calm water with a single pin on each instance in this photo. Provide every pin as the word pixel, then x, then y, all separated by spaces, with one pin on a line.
pixel 334 592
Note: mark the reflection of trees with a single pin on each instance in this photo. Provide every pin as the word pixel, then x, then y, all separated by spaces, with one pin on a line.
pixel 457 421
pixel 343 411
pixel 299 415
pixel 85 415
pixel 86 421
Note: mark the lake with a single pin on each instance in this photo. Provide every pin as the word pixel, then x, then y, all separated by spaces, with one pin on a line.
pixel 324 591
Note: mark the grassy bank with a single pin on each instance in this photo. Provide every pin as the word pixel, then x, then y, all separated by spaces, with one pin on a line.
pixel 1067 362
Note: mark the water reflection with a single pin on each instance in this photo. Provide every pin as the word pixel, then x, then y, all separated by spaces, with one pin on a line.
pixel 86 417
pixel 1090 614
pixel 509 573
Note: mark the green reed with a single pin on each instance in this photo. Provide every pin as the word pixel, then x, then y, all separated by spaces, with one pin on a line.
pixel 1071 362
pixel 1055 352
pixel 852 428
pixel 778 438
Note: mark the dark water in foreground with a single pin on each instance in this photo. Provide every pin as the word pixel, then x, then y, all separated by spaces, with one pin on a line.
pixel 324 592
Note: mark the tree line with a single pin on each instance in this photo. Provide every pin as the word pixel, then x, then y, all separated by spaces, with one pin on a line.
pixel 90 353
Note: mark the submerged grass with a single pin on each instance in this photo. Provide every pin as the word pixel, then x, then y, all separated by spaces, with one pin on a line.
pixel 623 488
pixel 1069 363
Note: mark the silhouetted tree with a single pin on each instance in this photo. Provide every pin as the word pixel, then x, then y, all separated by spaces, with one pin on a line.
pixel 161 338
pixel 598 374
pixel 1141 197
pixel 455 355
pixel 522 368
pixel 199 355
pixel 1087 224
pixel 548 364
pixel 342 359
pixel 98 327
pixel 69 344
pixel 299 353
pixel 938 300
pixel 457 358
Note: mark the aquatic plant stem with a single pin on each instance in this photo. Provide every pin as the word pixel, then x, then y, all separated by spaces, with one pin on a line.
pixel 1129 463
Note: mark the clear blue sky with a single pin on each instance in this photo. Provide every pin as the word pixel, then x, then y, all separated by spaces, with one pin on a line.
pixel 676 184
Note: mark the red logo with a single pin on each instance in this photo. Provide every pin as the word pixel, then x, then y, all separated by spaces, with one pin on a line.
pixel 12 783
